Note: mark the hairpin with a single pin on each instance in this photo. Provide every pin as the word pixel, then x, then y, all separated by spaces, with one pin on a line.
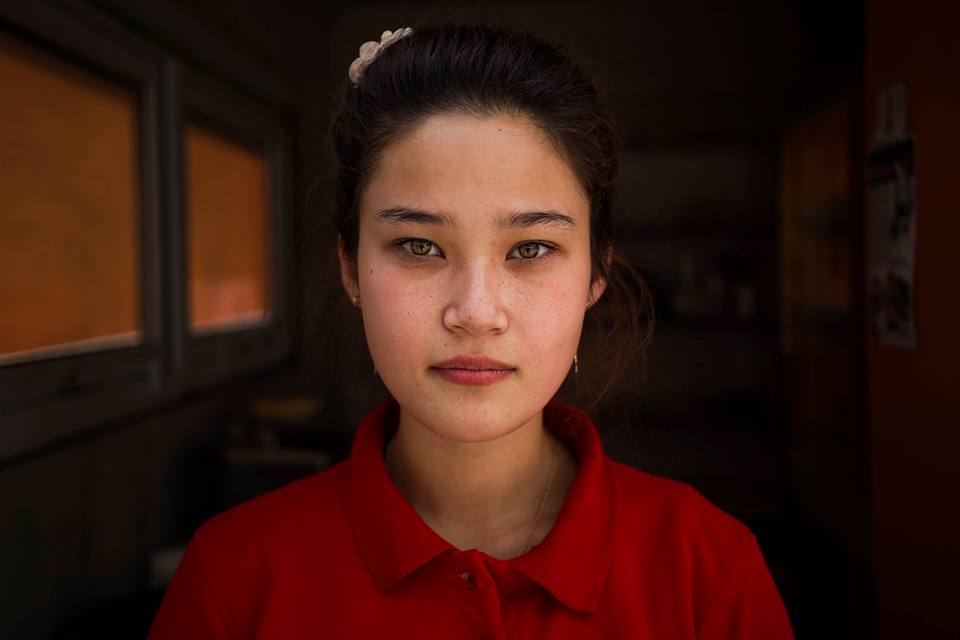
pixel 370 50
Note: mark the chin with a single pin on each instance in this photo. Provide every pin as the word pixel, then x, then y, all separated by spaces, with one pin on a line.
pixel 468 417
pixel 474 430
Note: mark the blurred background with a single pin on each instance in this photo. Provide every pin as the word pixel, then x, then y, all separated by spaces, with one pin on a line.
pixel 174 338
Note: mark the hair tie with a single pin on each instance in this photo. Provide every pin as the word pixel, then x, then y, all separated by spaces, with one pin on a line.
pixel 370 50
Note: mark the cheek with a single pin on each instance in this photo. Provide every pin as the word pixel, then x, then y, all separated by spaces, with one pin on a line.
pixel 397 313
pixel 549 315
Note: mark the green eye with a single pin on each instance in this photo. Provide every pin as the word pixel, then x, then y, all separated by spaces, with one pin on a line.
pixel 529 251
pixel 420 247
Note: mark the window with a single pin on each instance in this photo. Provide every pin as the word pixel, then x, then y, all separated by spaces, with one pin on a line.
pixel 227 214
pixel 143 226
pixel 229 282
pixel 69 256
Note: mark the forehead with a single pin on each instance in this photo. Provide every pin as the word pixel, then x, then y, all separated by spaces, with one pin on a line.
pixel 473 169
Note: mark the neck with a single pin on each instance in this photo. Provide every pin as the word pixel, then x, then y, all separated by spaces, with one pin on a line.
pixel 482 495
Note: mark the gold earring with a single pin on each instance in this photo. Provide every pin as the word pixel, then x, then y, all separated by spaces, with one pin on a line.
pixel 576 366
pixel 356 300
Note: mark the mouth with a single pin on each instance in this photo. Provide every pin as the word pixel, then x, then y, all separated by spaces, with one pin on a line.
pixel 472 377
pixel 472 370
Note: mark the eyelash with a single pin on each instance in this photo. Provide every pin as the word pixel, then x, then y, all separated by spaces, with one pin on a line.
pixel 401 245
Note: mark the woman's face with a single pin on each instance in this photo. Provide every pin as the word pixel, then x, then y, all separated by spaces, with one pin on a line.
pixel 473 241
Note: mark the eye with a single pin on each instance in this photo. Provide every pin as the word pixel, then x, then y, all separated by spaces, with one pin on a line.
pixel 530 251
pixel 419 248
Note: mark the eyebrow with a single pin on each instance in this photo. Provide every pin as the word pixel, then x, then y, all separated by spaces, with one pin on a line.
pixel 523 219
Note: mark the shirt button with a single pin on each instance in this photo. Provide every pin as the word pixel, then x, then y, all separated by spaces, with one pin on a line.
pixel 467 580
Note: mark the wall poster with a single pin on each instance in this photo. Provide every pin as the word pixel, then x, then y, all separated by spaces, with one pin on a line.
pixel 891 241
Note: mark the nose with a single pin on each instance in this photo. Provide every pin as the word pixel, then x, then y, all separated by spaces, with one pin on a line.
pixel 475 306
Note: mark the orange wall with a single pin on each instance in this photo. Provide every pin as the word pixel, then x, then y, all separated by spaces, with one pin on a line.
pixel 912 395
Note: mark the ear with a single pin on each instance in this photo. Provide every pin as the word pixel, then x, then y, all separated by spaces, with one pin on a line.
pixel 599 285
pixel 348 271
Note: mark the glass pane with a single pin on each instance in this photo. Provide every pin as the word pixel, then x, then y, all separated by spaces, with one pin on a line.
pixel 69 204
pixel 227 217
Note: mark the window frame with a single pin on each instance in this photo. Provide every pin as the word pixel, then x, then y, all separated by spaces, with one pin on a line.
pixel 37 396
pixel 50 401
pixel 216 355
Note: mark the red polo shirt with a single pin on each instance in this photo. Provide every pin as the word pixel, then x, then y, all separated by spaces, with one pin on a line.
pixel 343 555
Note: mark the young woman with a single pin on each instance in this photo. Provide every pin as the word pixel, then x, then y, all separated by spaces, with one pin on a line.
pixel 476 169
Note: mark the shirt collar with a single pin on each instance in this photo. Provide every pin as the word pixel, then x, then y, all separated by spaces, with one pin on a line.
pixel 571 562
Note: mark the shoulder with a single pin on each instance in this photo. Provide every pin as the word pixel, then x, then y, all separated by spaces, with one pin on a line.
pixel 679 510
pixel 300 513
pixel 702 556
pixel 273 545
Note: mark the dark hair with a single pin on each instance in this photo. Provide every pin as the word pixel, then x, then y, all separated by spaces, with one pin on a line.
pixel 481 70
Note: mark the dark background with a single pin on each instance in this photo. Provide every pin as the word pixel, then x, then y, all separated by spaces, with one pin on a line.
pixel 775 405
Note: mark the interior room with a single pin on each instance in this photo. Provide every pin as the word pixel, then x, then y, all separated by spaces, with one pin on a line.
pixel 175 338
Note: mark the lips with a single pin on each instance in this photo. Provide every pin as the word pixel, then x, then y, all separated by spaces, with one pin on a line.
pixel 473 363
pixel 473 370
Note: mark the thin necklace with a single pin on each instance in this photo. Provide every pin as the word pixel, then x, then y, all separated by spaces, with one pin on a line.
pixel 543 499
